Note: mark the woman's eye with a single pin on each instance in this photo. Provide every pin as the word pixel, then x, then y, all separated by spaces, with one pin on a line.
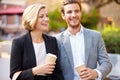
pixel 46 15
pixel 41 16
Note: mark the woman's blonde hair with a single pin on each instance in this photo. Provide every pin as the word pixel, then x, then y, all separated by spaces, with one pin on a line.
pixel 30 16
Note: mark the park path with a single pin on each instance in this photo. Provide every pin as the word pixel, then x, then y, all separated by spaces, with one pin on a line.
pixel 5 47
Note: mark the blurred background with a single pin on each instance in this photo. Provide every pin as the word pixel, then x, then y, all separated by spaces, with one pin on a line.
pixel 101 15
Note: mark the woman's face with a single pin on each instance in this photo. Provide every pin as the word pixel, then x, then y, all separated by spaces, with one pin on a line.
pixel 43 20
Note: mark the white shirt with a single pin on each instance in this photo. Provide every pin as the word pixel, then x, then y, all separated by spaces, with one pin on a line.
pixel 78 51
pixel 40 52
pixel 77 45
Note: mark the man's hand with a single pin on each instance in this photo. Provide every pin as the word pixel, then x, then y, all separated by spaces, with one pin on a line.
pixel 87 74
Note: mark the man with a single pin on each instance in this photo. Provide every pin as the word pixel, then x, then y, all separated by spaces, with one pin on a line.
pixel 78 45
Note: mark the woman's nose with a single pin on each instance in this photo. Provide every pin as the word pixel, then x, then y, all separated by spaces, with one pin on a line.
pixel 46 19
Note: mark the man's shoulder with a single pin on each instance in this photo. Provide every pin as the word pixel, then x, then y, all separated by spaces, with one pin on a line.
pixel 93 32
pixel 59 35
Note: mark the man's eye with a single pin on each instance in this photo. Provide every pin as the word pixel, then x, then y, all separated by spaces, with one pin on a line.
pixel 77 11
pixel 69 12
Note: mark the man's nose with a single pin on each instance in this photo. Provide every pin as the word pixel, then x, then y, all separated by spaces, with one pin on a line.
pixel 73 14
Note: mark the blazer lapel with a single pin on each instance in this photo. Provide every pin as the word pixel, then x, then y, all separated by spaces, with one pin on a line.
pixel 87 42
pixel 67 46
pixel 29 49
pixel 47 44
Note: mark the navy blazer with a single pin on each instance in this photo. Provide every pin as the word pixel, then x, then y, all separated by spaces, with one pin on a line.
pixel 23 57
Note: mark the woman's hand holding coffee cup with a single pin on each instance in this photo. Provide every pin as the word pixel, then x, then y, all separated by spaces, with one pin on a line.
pixel 47 67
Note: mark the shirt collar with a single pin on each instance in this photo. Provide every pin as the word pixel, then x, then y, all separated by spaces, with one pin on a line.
pixel 81 31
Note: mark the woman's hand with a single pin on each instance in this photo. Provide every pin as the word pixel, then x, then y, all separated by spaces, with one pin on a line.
pixel 16 75
pixel 47 68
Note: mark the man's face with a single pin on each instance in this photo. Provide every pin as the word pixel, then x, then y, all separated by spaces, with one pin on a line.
pixel 72 15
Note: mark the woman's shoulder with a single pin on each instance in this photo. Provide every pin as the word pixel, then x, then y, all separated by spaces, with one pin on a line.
pixel 21 37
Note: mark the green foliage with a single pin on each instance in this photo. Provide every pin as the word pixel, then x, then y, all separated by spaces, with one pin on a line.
pixel 90 20
pixel 1 40
pixel 56 21
pixel 111 36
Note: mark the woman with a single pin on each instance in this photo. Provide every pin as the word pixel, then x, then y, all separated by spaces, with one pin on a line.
pixel 29 50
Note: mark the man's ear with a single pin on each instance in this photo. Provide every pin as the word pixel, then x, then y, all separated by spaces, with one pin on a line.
pixel 63 16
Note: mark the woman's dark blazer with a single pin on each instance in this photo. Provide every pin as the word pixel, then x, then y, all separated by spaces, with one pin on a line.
pixel 23 57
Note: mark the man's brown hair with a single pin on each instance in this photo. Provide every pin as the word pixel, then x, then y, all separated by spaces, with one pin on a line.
pixel 65 2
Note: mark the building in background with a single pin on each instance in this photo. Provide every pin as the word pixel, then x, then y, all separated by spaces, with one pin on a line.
pixel 10 16
pixel 111 11
pixel 11 12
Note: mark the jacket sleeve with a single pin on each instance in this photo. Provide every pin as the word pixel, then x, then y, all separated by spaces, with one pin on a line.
pixel 103 59
pixel 16 59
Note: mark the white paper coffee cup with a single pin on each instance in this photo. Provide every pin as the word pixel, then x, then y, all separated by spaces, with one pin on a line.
pixel 50 58
pixel 80 67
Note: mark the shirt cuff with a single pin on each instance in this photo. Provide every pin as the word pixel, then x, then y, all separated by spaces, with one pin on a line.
pixel 99 75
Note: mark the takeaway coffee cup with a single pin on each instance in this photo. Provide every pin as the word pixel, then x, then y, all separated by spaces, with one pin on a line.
pixel 50 58
pixel 80 67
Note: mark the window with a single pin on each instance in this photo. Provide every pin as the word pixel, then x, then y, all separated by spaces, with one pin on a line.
pixel 17 19
pixel 4 18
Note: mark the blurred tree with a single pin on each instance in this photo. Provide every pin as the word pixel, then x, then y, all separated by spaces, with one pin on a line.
pixel 117 1
pixel 99 3
pixel 56 21
pixel 91 19
pixel 50 3
pixel 28 2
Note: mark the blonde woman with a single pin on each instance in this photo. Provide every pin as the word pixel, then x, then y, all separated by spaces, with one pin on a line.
pixel 29 50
